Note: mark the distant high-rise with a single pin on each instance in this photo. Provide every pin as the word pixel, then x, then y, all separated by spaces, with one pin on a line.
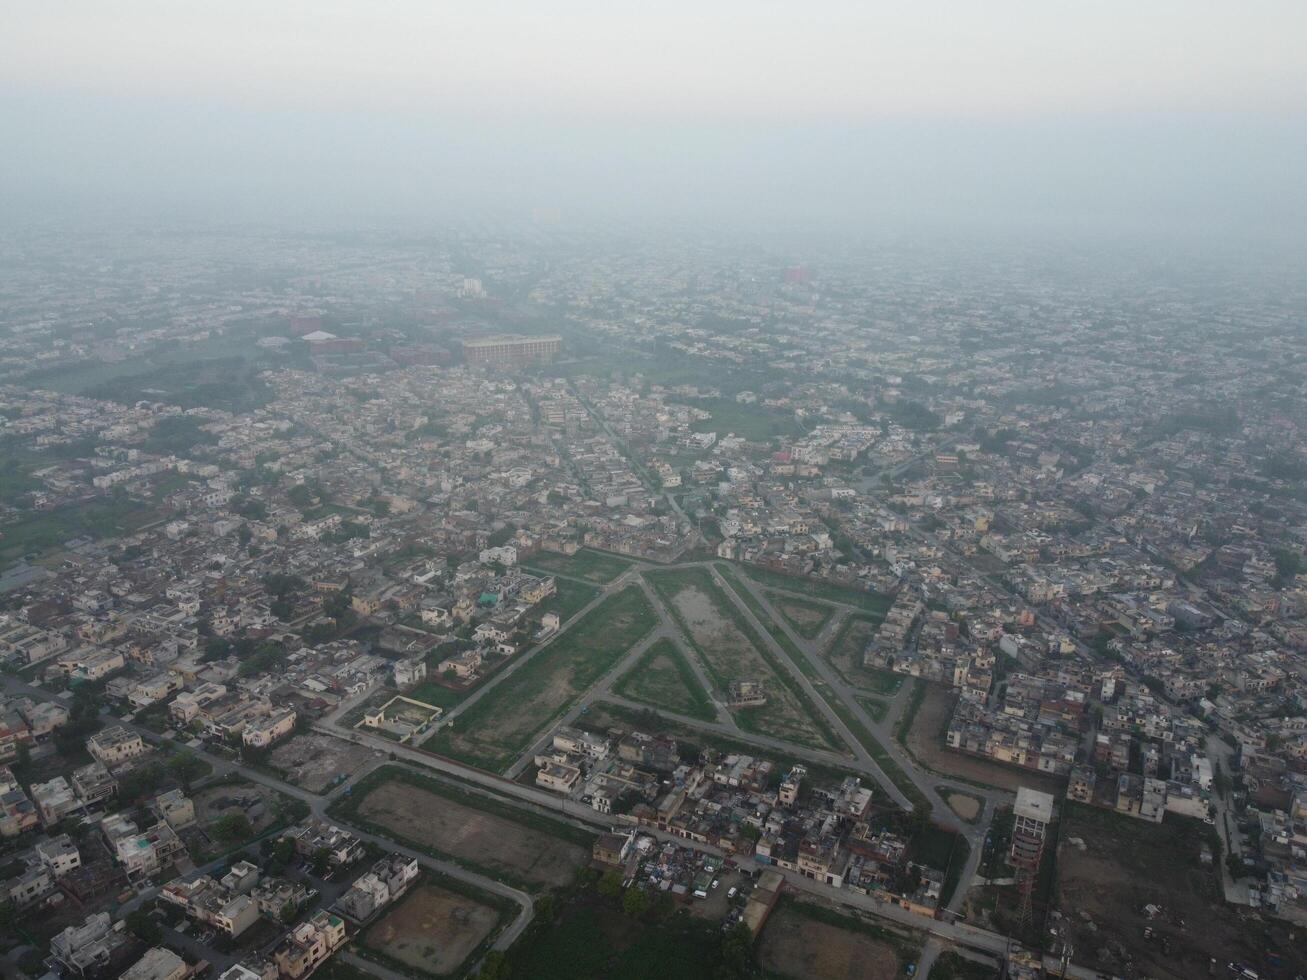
pixel 510 349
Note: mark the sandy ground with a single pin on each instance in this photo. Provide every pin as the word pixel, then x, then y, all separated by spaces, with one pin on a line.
pixel 966 807
pixel 432 930
pixel 795 946
pixel 464 832
pixel 314 761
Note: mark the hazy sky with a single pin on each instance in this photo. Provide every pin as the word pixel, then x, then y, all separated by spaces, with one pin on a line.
pixel 1163 110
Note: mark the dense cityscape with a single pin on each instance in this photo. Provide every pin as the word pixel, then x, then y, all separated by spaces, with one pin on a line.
pixel 515 602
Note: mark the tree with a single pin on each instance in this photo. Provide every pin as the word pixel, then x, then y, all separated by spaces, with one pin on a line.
pixel 635 902
pixel 494 966
pixel 283 850
pixel 187 768
pixel 610 885
pixel 142 925
pixel 288 911
pixel 233 828
pixel 321 862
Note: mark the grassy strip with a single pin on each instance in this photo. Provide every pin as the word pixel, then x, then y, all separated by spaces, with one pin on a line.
pixel 807 630
pixel 878 681
pixel 910 710
pixel 697 704
pixel 582 653
pixel 723 604
pixel 503 906
pixel 875 604
pixel 876 709
pixel 593 566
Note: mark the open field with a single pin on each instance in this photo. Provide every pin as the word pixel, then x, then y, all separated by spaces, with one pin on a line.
pixel 223 799
pixel 845 655
pixel 804 941
pixel 874 707
pixel 590 938
pixel 752 422
pixel 39 532
pixel 807 618
pixel 432 929
pixel 662 678
pixel 495 730
pixel 1127 864
pixel 873 604
pixel 473 830
pixel 593 566
pixel 731 651
pixel 316 761
pixel 568 599
pixel 925 742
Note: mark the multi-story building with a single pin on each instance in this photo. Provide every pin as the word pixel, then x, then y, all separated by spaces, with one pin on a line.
pixel 512 349
pixel 1032 814
pixel 157 964
pixel 115 745
pixel 308 945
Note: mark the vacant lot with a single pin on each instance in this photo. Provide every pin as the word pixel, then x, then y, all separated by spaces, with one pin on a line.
pixel 807 618
pixel 569 598
pixel 925 741
pixel 873 604
pixel 472 835
pixel 316 761
pixel 662 678
pixel 433 930
pixel 1127 864
pixel 794 945
pixel 593 566
pixel 495 730
pixel 845 655
pixel 732 651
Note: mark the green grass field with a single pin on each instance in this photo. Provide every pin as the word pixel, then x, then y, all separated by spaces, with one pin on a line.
pixel 46 531
pixel 569 599
pixel 663 679
pixel 593 566
pixel 730 649
pixel 495 730
pixel 752 422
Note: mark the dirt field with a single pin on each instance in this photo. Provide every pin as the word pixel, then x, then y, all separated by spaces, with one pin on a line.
pixel 464 832
pixel 432 930
pixel 731 655
pixel 796 946
pixel 926 743
pixel 966 807
pixel 663 679
pixel 1127 864
pixel 314 761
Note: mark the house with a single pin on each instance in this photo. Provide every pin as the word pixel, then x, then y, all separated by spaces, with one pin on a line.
pixel 115 745
pixel 409 672
pixel 262 732
pixel 612 849
pixel 59 855
pixel 88 947
pixel 157 964
pixel 305 947
pixel 559 777
pixel 93 783
pixel 54 799
pixel 175 808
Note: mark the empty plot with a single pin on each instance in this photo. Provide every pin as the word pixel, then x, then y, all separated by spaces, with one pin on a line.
pixel 807 618
pixel 794 945
pixel 874 604
pixel 593 566
pixel 495 730
pixel 317 761
pixel 663 679
pixel 433 930
pixel 732 651
pixel 471 835
pixel 845 655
